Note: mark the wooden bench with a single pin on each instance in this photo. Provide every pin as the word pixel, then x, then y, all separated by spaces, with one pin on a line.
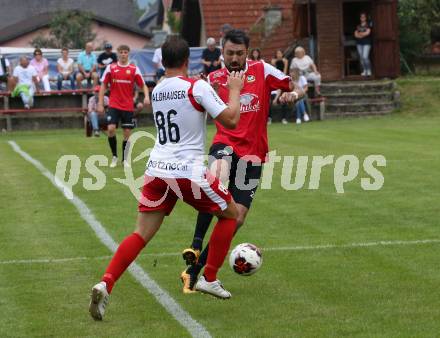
pixel 320 100
pixel 8 111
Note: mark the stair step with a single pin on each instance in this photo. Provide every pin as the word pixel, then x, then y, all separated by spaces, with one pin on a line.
pixel 379 97
pixel 356 87
pixel 359 107
pixel 356 114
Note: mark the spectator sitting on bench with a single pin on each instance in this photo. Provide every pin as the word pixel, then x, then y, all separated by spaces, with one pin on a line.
pixel 65 69
pixel 106 58
pixel 96 119
pixel 25 76
pixel 87 66
pixel 306 67
pixel 300 105
pixel 5 73
pixel 41 65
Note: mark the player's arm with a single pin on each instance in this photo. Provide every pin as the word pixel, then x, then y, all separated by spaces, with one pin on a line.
pixel 146 95
pixel 229 117
pixel 277 80
pixel 139 80
pixel 102 90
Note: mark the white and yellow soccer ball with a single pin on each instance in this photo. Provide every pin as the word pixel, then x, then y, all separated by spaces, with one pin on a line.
pixel 245 259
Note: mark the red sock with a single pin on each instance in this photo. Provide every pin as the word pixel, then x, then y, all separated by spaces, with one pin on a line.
pixel 123 257
pixel 219 244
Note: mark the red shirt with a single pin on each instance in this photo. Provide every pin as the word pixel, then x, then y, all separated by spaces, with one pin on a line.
pixel 122 80
pixel 250 136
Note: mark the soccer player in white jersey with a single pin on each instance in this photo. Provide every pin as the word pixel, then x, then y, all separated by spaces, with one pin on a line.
pixel 176 170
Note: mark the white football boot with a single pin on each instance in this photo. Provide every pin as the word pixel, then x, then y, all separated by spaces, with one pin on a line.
pixel 98 301
pixel 306 117
pixel 114 162
pixel 214 288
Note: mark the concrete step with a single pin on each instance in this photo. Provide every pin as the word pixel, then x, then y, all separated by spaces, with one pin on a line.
pixel 356 114
pixel 359 107
pixel 356 87
pixel 377 97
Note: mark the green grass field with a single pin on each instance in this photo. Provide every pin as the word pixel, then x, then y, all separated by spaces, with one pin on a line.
pixel 302 290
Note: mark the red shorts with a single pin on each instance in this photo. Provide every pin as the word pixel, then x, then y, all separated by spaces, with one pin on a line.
pixel 206 195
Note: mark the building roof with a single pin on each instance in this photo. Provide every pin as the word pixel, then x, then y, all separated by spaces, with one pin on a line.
pixel 149 19
pixel 43 20
pixel 122 12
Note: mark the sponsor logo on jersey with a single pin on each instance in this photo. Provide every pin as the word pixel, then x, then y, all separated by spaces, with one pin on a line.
pixel 218 74
pixel 168 166
pixel 249 103
pixel 250 78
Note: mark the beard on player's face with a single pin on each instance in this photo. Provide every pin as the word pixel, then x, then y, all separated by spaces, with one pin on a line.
pixel 235 66
pixel 234 56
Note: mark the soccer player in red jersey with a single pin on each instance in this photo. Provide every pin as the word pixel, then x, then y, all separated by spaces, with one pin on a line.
pixel 121 77
pixel 176 169
pixel 238 154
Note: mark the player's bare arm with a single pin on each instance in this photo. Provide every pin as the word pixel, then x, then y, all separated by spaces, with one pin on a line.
pixel 146 95
pixel 230 116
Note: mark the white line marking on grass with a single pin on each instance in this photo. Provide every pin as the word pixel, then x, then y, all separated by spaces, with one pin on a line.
pixel 52 260
pixel 183 317
pixel 352 245
pixel 281 248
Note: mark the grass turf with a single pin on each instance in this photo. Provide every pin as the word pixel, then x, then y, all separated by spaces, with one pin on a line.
pixel 380 291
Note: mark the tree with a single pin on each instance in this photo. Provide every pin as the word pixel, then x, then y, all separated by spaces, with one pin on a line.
pixel 71 29
pixel 174 22
pixel 419 23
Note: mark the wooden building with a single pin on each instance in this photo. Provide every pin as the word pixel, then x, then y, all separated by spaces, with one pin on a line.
pixel 324 27
pixel 330 25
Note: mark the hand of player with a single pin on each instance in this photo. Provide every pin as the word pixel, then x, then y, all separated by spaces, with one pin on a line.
pixel 289 97
pixel 146 101
pixel 100 108
pixel 236 80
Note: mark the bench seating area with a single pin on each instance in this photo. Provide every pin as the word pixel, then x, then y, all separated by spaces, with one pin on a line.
pixel 73 104
pixel 56 103
pixel 53 102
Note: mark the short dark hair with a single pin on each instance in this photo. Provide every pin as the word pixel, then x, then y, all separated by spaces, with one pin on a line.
pixel 38 51
pixel 236 36
pixel 175 52
pixel 65 48
pixel 123 47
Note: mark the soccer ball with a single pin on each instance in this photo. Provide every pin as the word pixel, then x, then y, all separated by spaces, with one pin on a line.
pixel 245 259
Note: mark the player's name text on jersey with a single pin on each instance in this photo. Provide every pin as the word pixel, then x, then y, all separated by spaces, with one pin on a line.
pixel 174 95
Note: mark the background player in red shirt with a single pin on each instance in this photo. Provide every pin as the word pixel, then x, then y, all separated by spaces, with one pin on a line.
pixel 121 77
pixel 238 154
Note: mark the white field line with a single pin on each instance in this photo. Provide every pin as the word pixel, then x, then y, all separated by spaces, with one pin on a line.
pixel 281 248
pixel 170 305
